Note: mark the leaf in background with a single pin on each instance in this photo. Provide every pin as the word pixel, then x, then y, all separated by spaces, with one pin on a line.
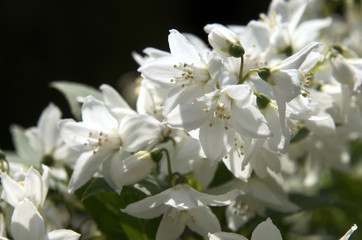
pixel 27 154
pixel 105 208
pixel 75 93
pixel 97 186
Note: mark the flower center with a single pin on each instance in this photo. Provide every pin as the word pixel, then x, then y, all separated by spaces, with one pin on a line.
pixel 100 139
pixel 221 112
pixel 242 209
pixel 189 74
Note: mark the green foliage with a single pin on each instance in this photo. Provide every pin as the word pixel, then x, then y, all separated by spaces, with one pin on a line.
pixel 74 93
pixel 105 207
pixel 23 148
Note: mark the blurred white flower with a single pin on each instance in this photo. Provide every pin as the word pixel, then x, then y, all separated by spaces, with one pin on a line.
pixel 30 185
pixel 181 206
pixel 28 224
pixel 265 230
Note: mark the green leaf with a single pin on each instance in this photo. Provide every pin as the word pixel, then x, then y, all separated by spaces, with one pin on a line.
pixel 97 186
pixel 74 93
pixel 105 208
pixel 27 154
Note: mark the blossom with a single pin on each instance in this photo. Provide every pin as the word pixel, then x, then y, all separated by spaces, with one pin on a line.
pixel 264 230
pixel 218 115
pixel 180 205
pixel 28 224
pixel 224 41
pixel 188 72
pixel 30 185
pixel 105 140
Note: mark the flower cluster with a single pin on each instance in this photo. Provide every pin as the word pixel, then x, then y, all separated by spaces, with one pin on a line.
pixel 240 122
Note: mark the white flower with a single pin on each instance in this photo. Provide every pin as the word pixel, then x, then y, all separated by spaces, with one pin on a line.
pixel 185 71
pixel 45 139
pixel 180 206
pixel 28 224
pixel 265 230
pixel 285 80
pixel 30 185
pixel 105 141
pixel 115 102
pixel 218 115
pixel 254 197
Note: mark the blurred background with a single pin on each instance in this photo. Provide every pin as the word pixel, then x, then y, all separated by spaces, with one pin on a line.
pixel 89 42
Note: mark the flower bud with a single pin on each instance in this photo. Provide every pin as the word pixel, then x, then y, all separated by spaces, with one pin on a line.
pixel 343 72
pixel 137 167
pixel 225 41
pixel 264 73
pixel 262 100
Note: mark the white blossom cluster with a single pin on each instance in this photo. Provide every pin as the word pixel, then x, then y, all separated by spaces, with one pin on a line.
pixel 257 99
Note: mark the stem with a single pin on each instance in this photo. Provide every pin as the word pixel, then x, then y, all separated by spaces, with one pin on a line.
pixel 241 79
pixel 169 169
pixel 4 165
pixel 247 75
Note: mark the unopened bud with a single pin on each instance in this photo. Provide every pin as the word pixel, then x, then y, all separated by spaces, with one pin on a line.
pixel 137 167
pixel 225 41
pixel 156 155
pixel 264 73
pixel 262 100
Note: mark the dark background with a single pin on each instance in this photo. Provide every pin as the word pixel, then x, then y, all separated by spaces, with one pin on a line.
pixel 89 42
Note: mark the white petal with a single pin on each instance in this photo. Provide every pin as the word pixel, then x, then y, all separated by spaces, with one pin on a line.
pixel 234 165
pixel 160 71
pixel 266 230
pixel 136 131
pixel 12 192
pixel 33 185
pixel 296 60
pixel 204 172
pixel 257 34
pixel 226 236
pixel 35 140
pixel 149 207
pixel 261 191
pixel 182 49
pixel 249 122
pixel 171 226
pixel 62 234
pixel 113 171
pixel 349 233
pixel 87 164
pixel 241 94
pixel 96 115
pixel 74 134
pixel 296 17
pixel 137 167
pixel 212 140
pixel 188 116
pixel 26 222
pixel 184 95
pixel 214 200
pixel 181 198
pixel 308 31
pixel 112 98
pixel 202 220
pixel 45 178
pixel 287 84
pixel 47 125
